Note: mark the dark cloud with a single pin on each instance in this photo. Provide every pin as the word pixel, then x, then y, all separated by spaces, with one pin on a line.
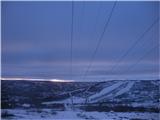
pixel 36 38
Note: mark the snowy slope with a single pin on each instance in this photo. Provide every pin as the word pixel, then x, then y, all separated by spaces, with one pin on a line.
pixel 106 91
pixel 136 92
pixel 126 89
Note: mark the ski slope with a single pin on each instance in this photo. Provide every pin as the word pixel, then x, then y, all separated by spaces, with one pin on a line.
pixel 112 91
pixel 126 89
pixel 105 91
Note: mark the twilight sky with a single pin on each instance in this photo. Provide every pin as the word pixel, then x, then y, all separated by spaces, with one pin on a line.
pixel 36 40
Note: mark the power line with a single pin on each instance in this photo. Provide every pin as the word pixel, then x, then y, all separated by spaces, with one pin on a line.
pixel 71 42
pixel 134 44
pixel 93 31
pixel 100 39
pixel 82 16
pixel 141 58
pixel 71 49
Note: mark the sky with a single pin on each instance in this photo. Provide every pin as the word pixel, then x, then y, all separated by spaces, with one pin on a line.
pixel 36 40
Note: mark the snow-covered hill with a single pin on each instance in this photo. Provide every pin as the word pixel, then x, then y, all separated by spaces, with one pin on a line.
pixel 114 100
pixel 116 92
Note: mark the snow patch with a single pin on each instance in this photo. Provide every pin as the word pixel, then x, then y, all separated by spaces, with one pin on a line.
pixel 49 114
pixel 105 91
pixel 126 89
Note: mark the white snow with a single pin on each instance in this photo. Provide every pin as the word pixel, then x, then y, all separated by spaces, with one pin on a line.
pixel 145 104
pixel 105 91
pixel 68 100
pixel 49 114
pixel 126 89
pixel 26 105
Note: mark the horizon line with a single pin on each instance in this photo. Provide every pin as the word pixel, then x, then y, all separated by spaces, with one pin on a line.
pixel 64 80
